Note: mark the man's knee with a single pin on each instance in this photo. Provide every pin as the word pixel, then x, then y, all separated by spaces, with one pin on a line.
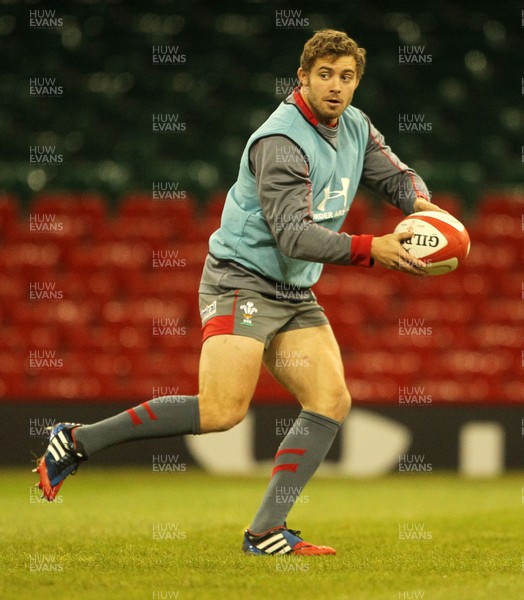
pixel 334 403
pixel 229 419
pixel 344 403
pixel 220 412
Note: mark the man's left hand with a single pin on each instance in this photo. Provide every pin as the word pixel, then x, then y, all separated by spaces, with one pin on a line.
pixel 423 204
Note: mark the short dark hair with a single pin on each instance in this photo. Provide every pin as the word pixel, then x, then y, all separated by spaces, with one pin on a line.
pixel 329 42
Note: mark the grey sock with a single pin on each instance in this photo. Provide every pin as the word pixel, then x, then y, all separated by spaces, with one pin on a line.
pixel 165 416
pixel 298 457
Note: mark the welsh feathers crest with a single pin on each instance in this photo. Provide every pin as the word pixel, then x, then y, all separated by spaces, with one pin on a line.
pixel 249 310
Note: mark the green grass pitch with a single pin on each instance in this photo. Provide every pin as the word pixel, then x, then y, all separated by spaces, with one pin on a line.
pixel 134 534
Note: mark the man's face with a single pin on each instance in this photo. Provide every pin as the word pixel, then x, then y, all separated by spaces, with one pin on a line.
pixel 329 87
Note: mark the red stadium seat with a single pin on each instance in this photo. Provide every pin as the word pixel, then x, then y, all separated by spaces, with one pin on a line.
pixel 511 389
pixel 502 228
pixel 364 283
pixel 111 255
pixel 94 338
pixel 143 205
pixel 467 362
pixel 174 345
pixel 501 310
pixel 450 202
pixel 498 335
pixel 360 216
pixel 174 283
pixel 388 218
pixel 372 390
pixel 166 316
pixel 65 387
pixel 215 204
pixel 202 228
pixel 30 257
pixel 501 202
pixel 12 288
pixel 328 286
pixel 468 348
pixel 152 229
pixel 102 285
pixel 64 202
pixel 52 313
pixel 66 215
pixel 8 214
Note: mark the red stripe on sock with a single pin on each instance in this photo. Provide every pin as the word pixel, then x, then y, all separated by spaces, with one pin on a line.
pixel 285 467
pixel 134 417
pixel 299 451
pixel 151 414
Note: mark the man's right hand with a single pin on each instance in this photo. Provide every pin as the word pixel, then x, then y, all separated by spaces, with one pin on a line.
pixel 389 252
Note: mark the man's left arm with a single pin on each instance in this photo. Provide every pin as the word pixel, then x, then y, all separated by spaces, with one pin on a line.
pixel 385 173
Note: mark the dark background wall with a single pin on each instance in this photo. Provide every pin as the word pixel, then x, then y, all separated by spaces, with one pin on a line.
pixel 235 60
pixel 80 86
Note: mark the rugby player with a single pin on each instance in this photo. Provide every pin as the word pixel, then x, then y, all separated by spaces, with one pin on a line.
pixel 298 175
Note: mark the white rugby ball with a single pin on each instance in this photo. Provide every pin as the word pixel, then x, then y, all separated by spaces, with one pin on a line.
pixel 439 239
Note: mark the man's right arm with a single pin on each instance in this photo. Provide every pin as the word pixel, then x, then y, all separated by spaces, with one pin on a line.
pixel 285 191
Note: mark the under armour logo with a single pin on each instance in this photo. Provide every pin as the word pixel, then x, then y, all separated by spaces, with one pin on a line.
pixel 329 195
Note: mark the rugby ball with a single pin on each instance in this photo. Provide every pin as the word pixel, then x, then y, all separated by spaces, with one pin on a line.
pixel 439 240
